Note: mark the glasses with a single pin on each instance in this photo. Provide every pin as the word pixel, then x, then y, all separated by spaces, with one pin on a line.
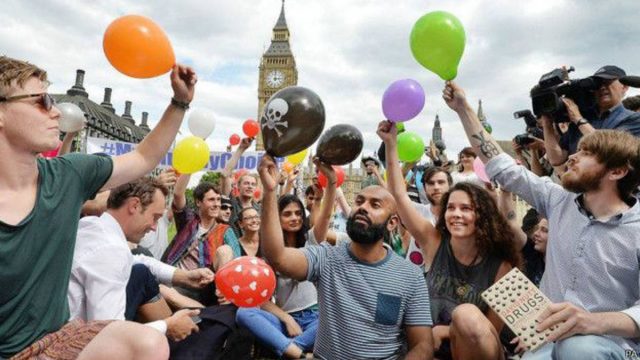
pixel 254 217
pixel 44 99
pixel 225 207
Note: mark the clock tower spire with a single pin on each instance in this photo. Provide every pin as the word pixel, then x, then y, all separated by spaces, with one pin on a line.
pixel 277 67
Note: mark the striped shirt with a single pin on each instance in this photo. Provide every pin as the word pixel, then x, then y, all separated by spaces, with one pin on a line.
pixel 589 262
pixel 364 307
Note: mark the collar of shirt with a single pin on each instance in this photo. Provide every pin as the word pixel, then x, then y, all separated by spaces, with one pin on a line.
pixel 615 219
pixel 113 225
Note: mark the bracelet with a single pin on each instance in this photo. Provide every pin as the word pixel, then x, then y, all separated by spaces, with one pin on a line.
pixel 581 122
pixel 181 104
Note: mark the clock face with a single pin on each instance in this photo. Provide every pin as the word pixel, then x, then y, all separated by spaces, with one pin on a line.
pixel 275 78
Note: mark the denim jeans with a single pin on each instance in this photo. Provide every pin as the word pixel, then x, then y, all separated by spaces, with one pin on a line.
pixel 269 330
pixel 579 347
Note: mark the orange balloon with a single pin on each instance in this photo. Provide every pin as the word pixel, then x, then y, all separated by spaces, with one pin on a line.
pixel 137 47
pixel 288 167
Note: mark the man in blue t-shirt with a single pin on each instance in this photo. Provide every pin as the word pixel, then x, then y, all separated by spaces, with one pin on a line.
pixel 40 203
pixel 373 304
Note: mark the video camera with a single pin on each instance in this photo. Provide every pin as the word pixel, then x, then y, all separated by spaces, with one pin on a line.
pixel 533 131
pixel 546 97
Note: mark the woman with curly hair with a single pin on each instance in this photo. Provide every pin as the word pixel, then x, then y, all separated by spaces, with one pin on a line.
pixel 470 248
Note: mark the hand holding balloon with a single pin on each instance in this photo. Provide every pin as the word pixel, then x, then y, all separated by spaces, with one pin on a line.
pixel 387 132
pixel 245 143
pixel 455 97
pixel 326 170
pixel 268 170
pixel 183 82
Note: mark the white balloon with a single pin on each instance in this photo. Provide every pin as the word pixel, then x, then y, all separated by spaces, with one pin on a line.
pixel 72 118
pixel 201 123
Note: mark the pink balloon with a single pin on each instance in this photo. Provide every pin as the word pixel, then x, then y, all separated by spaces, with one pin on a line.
pixel 478 168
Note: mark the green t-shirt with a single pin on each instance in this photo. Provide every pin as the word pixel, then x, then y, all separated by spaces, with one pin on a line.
pixel 36 254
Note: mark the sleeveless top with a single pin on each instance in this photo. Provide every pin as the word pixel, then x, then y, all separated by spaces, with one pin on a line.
pixel 451 283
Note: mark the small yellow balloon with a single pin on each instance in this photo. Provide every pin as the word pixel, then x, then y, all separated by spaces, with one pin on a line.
pixel 297 158
pixel 191 154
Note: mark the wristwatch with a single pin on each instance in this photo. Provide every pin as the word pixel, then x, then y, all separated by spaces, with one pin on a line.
pixel 581 122
pixel 181 104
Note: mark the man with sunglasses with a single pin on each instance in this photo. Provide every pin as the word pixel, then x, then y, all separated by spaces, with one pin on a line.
pixel 225 209
pixel 40 203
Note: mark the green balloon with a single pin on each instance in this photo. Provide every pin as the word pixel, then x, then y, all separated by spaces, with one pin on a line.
pixel 410 146
pixel 400 127
pixel 437 43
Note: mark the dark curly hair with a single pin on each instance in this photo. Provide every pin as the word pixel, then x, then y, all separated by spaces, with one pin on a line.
pixel 301 235
pixel 493 234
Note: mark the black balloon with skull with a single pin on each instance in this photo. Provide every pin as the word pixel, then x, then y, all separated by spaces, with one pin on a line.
pixel 340 145
pixel 292 121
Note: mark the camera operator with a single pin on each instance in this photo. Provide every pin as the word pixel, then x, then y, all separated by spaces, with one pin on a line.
pixel 612 115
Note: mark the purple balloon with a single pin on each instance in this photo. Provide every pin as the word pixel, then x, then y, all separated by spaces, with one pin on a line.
pixel 403 100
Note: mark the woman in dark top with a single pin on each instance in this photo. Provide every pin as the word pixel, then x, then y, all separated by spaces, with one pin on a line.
pixel 470 248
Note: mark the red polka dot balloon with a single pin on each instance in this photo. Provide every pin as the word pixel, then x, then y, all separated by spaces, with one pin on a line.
pixel 247 281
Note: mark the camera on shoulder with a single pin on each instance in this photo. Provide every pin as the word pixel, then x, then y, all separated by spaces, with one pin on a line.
pixel 546 96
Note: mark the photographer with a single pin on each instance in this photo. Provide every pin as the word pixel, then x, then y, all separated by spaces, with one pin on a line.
pixel 611 115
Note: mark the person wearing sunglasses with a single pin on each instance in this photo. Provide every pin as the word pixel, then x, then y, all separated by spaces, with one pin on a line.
pixel 40 203
pixel 225 209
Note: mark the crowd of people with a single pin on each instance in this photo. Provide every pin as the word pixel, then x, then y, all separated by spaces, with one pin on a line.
pixel 88 270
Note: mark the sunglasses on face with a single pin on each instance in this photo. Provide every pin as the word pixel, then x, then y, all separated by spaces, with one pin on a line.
pixel 44 99
pixel 225 207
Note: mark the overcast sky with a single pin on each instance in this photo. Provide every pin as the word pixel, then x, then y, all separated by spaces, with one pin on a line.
pixel 347 51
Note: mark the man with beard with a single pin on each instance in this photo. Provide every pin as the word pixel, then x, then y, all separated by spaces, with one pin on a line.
pixel 592 261
pixel 373 304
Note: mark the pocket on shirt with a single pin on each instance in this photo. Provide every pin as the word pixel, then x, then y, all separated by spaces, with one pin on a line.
pixel 387 309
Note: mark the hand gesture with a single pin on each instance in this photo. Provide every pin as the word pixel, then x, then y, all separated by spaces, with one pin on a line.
pixel 183 82
pixel 327 170
pixel 221 299
pixel 293 329
pixel 245 143
pixel 168 177
pixel 387 131
pixel 199 278
pixel 268 171
pixel 454 96
pixel 180 325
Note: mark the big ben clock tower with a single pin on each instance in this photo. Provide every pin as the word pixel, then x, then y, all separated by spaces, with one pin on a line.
pixel 277 67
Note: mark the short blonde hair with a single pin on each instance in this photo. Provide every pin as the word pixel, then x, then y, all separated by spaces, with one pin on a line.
pixel 16 72
pixel 616 149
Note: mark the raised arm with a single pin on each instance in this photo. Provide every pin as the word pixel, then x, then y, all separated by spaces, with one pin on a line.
pixel 152 149
pixel 507 207
pixel 289 261
pixel 323 216
pixel 556 155
pixel 420 227
pixel 342 202
pixel 482 142
pixel 227 172
pixel 179 197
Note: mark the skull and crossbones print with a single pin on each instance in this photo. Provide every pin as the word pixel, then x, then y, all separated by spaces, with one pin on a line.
pixel 272 117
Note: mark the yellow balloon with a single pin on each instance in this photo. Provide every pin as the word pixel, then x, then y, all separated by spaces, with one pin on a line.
pixel 297 158
pixel 191 154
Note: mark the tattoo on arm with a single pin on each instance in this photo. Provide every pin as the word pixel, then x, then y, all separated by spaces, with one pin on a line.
pixel 511 215
pixel 487 148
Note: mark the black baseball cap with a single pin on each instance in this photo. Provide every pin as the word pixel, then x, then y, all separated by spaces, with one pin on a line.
pixel 370 158
pixel 225 200
pixel 609 72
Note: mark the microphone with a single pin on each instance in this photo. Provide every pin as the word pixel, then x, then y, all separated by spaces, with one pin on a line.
pixel 633 81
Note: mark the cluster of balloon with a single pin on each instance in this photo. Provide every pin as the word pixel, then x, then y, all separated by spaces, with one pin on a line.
pixel 251 128
pixel 234 139
pixel 71 117
pixel 293 119
pixel 323 181
pixel 479 169
pixel 247 281
pixel 410 146
pixel 191 154
pixel 340 145
pixel 403 100
pixel 437 42
pixel 297 158
pixel 138 47
pixel 201 122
